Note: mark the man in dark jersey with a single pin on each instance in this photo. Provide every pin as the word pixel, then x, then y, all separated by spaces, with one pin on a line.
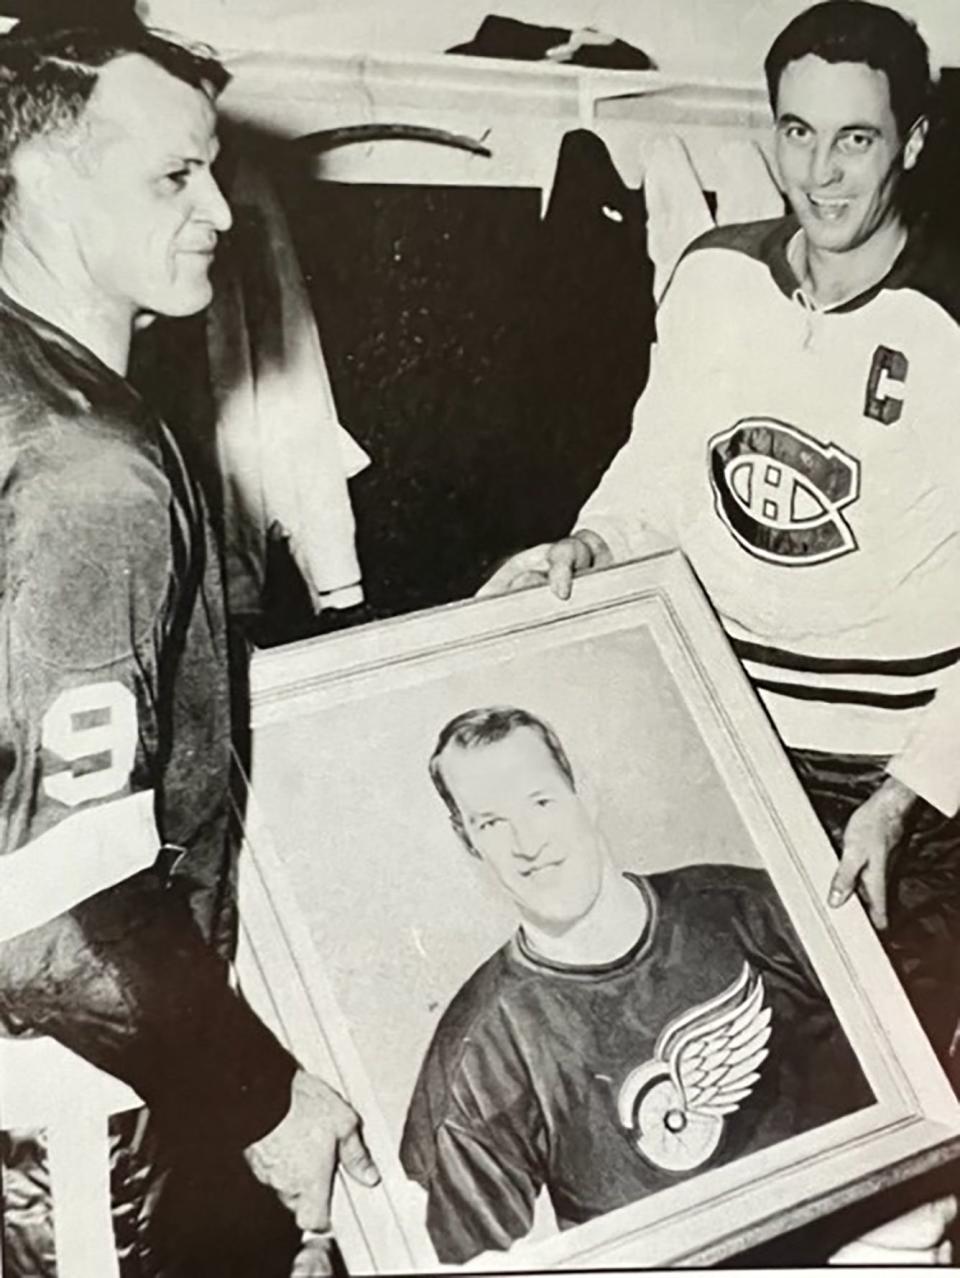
pixel 117 913
pixel 573 1059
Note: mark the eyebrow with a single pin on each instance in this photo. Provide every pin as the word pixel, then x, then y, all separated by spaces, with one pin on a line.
pixel 855 127
pixel 541 791
pixel 193 161
pixel 788 117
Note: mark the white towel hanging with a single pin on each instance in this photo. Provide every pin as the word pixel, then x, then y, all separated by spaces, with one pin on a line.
pixel 677 211
pixel 746 190
pixel 284 456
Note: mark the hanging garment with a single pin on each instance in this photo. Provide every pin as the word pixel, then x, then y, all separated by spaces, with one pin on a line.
pixel 677 210
pixel 746 191
pixel 588 322
pixel 283 456
pixel 677 206
pixel 503 37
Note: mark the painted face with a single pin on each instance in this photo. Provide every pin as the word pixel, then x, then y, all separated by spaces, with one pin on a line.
pixel 529 827
pixel 839 150
pixel 145 210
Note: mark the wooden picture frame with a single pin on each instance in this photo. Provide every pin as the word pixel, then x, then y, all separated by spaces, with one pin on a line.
pixel 359 921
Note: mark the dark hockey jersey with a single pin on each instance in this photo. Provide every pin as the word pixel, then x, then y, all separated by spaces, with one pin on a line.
pixel 579 1079
pixel 115 739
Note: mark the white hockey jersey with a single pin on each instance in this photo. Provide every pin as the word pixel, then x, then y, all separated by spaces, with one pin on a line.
pixel 805 462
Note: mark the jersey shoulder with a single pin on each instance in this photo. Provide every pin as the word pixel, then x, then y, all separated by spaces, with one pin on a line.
pixel 712 879
pixel 732 898
pixel 87 529
pixel 725 258
pixel 741 901
pixel 55 393
pixel 38 378
pixel 71 430
pixel 931 267
pixel 761 241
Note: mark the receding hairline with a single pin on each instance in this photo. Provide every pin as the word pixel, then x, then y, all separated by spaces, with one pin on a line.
pixel 112 116
pixel 139 66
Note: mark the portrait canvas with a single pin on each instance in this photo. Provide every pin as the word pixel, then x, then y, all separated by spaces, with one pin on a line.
pixel 746 1065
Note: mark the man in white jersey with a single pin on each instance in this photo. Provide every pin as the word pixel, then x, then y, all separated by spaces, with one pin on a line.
pixel 797 440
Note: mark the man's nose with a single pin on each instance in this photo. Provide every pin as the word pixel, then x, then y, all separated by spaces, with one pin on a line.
pixel 212 206
pixel 824 165
pixel 528 840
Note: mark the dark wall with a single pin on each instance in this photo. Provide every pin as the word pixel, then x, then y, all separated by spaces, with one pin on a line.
pixel 937 185
pixel 487 359
pixel 416 292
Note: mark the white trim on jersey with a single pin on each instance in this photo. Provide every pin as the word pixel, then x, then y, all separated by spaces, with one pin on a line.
pixel 79 1160
pixel 45 1085
pixel 840 728
pixel 83 854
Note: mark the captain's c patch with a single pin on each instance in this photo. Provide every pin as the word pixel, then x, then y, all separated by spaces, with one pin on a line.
pixel 883 401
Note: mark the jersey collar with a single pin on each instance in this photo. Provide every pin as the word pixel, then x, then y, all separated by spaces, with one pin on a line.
pixel 116 389
pixel 785 246
pixel 592 971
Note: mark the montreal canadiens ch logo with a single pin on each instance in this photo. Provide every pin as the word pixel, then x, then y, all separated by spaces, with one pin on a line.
pixel 781 493
pixel 705 1064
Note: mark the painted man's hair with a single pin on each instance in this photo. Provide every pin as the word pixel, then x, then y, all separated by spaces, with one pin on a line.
pixel 482 727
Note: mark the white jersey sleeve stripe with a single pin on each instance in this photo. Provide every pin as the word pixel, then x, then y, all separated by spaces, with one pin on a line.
pixel 83 854
pixel 43 1084
pixel 78 1152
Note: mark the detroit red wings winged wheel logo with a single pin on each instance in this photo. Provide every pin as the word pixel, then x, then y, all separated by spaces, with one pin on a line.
pixel 706 1063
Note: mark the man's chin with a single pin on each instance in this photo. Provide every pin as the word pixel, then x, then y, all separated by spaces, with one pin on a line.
pixel 557 921
pixel 182 302
pixel 830 237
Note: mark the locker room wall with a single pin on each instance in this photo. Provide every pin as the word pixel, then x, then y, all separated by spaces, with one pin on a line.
pixel 723 38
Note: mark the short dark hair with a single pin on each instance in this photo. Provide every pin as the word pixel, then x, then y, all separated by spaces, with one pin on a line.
pixel 485 726
pixel 47 78
pixel 859 31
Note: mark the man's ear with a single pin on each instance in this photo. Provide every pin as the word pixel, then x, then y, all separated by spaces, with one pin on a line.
pixel 914 144
pixel 39 179
pixel 30 166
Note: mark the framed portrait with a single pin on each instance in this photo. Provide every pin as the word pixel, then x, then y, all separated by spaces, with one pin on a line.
pixel 533 884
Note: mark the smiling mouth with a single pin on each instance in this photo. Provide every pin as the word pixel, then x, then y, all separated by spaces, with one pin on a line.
pixel 829 208
pixel 540 867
